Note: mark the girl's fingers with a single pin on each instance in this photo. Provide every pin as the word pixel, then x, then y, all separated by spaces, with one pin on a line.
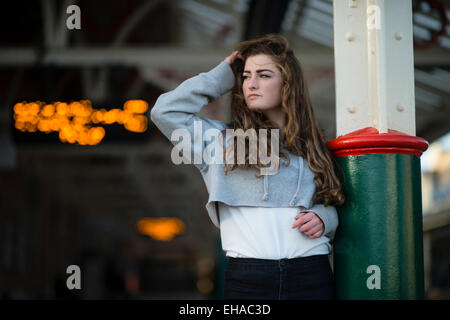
pixel 316 235
pixel 230 58
pixel 310 226
pixel 313 230
pixel 236 55
pixel 308 222
pixel 306 226
pixel 300 214
pixel 300 219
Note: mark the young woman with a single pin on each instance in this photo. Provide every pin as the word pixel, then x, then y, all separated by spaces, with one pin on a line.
pixel 276 228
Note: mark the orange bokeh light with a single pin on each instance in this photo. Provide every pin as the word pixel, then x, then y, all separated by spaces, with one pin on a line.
pixel 73 121
pixel 162 229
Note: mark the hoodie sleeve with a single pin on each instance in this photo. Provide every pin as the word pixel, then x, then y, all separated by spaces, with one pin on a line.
pixel 176 109
pixel 329 217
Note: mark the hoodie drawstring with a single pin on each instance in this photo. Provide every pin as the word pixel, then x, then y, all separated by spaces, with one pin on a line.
pixel 266 188
pixel 300 171
pixel 299 180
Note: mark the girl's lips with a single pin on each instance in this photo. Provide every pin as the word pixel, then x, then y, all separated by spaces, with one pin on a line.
pixel 253 96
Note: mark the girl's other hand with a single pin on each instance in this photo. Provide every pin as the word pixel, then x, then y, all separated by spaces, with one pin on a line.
pixel 309 223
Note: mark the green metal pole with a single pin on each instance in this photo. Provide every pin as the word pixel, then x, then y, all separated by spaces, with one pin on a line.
pixel 378 248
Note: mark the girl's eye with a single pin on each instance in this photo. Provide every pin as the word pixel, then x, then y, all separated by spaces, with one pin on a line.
pixel 262 76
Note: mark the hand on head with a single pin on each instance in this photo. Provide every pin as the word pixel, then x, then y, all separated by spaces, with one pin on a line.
pixel 232 57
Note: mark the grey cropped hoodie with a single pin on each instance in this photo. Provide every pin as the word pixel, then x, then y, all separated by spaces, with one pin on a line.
pixel 291 186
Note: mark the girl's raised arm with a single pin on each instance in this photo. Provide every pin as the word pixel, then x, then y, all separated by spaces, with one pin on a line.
pixel 177 109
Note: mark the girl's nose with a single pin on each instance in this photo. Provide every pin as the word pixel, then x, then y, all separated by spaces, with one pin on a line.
pixel 253 83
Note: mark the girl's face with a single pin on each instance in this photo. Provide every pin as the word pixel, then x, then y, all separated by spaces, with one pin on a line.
pixel 261 83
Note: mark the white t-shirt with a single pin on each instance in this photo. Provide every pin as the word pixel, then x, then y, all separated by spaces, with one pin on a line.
pixel 266 233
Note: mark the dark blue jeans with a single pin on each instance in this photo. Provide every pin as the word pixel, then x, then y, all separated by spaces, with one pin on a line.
pixel 294 279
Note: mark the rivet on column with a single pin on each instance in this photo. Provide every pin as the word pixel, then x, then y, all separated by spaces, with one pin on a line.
pixel 349 36
pixel 351 109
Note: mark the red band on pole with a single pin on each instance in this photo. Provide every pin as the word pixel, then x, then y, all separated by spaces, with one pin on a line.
pixel 370 141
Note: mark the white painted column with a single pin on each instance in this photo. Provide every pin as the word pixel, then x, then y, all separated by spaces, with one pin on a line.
pixel 374 65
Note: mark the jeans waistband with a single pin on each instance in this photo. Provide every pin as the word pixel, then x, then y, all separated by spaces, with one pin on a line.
pixel 276 262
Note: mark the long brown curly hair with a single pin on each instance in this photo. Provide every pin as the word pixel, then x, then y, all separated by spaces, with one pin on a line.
pixel 301 134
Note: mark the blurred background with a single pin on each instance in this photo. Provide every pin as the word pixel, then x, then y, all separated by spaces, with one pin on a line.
pixel 87 180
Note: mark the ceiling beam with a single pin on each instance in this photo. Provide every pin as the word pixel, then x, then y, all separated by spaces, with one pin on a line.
pixel 188 59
